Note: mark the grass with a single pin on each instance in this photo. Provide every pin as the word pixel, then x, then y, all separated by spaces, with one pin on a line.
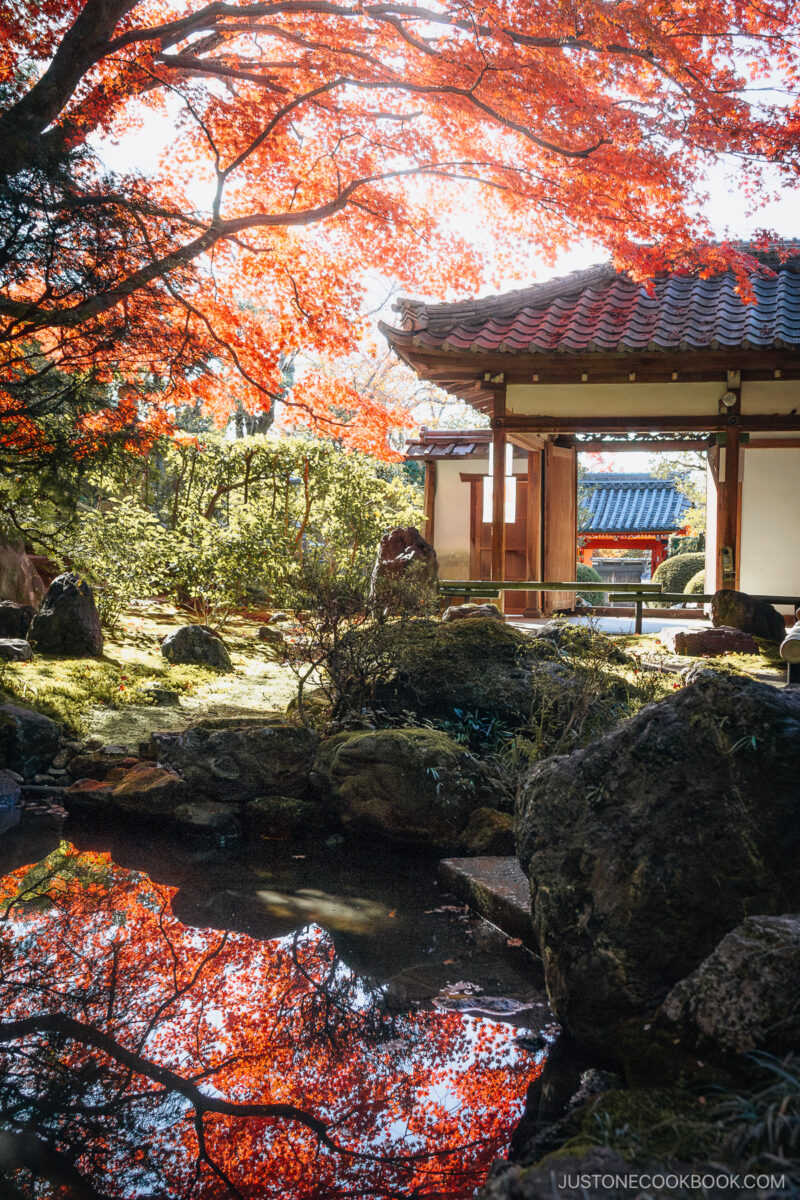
pixel 755 1129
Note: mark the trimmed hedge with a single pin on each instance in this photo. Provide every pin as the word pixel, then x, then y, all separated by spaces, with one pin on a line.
pixel 586 574
pixel 675 573
pixel 697 584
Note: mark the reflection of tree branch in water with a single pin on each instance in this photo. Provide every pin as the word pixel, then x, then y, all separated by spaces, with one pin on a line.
pixel 141 1056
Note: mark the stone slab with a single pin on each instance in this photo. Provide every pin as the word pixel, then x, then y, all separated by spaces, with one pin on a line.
pixel 497 888
pixel 709 642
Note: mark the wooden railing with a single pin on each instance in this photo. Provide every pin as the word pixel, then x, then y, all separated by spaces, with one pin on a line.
pixel 638 594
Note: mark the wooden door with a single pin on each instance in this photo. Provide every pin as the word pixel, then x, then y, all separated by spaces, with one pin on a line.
pixel 516 543
pixel 560 525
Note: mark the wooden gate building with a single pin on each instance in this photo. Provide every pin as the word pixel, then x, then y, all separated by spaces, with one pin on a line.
pixel 597 361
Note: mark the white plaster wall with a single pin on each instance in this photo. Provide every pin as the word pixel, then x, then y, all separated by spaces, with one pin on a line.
pixel 614 399
pixel 770 396
pixel 770 553
pixel 451 516
pixel 451 511
pixel 647 399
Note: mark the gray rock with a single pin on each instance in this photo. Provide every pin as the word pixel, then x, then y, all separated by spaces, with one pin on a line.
pixel 196 645
pixel 235 761
pixel 744 612
pixel 28 741
pixel 745 995
pixel 405 576
pixel 15 619
pixel 268 633
pixel 67 623
pixel 723 639
pixel 277 617
pixel 462 612
pixel 648 846
pixel 412 786
pixel 206 816
pixel 15 650
pixel 10 789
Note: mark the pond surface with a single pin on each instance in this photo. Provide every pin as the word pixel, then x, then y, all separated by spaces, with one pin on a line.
pixel 188 1019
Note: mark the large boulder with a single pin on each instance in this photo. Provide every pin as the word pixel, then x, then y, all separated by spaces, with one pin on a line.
pixel 28 741
pixel 67 623
pixel 235 761
pixel 644 849
pixel 15 619
pixel 413 786
pixel 196 645
pixel 19 580
pixel 405 576
pixel 745 995
pixel 744 612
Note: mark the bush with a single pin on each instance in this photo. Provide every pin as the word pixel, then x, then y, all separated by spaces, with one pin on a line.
pixel 675 573
pixel 586 574
pixel 697 584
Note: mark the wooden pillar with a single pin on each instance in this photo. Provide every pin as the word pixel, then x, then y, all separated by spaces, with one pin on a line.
pixel 533 556
pixel 429 501
pixel 728 531
pixel 499 488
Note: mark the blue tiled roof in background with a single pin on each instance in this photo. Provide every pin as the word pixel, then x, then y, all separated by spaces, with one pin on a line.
pixel 631 504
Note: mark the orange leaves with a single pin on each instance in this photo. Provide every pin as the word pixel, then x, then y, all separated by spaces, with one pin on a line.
pixel 333 407
pixel 304 147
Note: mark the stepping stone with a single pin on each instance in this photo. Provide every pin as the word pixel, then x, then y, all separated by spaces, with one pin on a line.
pixel 497 888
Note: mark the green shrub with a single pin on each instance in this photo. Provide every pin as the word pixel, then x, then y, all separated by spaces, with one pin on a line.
pixel 697 584
pixel 586 574
pixel 674 574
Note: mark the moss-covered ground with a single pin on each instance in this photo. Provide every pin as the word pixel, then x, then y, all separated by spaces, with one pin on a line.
pixel 112 697
pixel 766 665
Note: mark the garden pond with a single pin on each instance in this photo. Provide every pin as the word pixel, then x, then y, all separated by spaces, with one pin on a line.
pixel 207 1019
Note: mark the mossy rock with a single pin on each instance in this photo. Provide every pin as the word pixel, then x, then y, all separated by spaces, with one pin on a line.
pixel 647 846
pixel 416 787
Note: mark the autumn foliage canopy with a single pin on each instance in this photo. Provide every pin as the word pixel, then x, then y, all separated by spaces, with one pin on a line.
pixel 279 151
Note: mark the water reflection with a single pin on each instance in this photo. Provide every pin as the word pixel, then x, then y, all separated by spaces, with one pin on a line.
pixel 143 1057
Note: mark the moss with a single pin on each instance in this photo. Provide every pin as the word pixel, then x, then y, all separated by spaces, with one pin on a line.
pixel 66 689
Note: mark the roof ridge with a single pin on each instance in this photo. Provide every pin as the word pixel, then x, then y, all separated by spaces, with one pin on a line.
pixel 514 300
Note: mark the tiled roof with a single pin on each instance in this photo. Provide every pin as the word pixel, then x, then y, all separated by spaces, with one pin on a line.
pixel 449 443
pixel 601 310
pixel 452 443
pixel 631 504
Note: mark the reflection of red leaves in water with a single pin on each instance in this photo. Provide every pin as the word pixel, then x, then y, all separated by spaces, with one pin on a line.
pixel 432 1095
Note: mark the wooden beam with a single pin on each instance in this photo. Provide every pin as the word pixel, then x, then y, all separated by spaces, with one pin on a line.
pixel 499 488
pixel 597 445
pixel 429 501
pixel 533 533
pixel 663 423
pixel 527 441
pixel 648 367
pixel 792 443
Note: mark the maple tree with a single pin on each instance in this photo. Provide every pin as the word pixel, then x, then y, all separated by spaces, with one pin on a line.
pixel 312 139
pixel 141 1056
